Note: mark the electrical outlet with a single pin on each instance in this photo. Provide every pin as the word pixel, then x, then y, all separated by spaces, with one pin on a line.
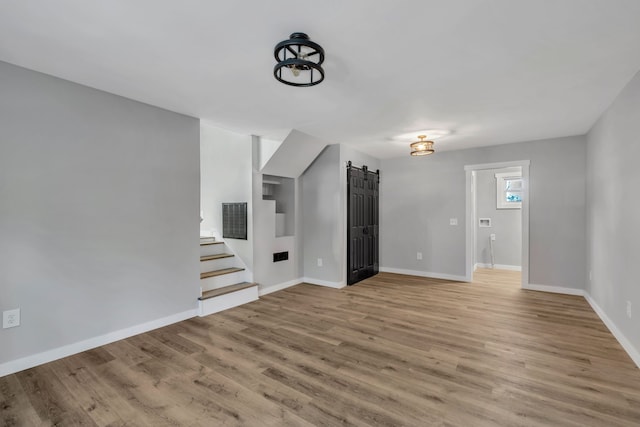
pixel 319 262
pixel 453 221
pixel 493 237
pixel 629 309
pixel 419 256
pixel 11 318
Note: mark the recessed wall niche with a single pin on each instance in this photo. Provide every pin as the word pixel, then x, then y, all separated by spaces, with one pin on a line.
pixel 282 191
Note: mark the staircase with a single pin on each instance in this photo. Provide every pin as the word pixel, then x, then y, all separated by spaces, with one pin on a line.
pixel 223 282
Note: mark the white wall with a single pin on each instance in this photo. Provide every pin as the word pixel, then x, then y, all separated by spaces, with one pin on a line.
pixel 225 164
pixel 420 195
pixel 613 228
pixel 271 275
pixel 99 201
pixel 292 156
pixel 506 224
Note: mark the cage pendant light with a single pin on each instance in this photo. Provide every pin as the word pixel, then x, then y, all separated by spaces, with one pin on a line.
pixel 299 61
pixel 422 147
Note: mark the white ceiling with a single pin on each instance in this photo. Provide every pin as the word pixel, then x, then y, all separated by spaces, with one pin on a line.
pixel 491 71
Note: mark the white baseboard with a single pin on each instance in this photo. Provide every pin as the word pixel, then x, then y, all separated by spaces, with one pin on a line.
pixel 424 274
pixel 554 289
pixel 227 301
pixel 27 362
pixel 498 266
pixel 624 342
pixel 274 288
pixel 336 285
pixel 280 286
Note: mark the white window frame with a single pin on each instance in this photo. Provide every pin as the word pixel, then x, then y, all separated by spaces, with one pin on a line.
pixel 501 191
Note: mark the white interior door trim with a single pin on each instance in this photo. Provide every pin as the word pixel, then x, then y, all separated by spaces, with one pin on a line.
pixel 524 164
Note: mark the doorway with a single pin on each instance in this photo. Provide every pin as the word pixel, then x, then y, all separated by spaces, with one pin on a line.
pixel 477 241
pixel 498 223
pixel 362 223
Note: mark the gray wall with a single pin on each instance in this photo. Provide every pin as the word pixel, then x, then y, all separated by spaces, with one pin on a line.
pixel 613 228
pixel 358 159
pixel 225 171
pixel 419 195
pixel 99 200
pixel 324 204
pixel 321 207
pixel 506 224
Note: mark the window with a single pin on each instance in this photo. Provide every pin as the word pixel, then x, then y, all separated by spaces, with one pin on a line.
pixel 509 190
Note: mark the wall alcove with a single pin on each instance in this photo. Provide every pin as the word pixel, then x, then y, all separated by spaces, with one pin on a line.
pixel 282 191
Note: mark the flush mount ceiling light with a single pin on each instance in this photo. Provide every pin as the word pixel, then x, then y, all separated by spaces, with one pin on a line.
pixel 299 61
pixel 422 147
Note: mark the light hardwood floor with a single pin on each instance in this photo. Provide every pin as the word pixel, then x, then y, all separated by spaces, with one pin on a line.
pixel 392 350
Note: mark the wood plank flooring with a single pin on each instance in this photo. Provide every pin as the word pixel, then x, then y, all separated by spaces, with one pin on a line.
pixel 390 351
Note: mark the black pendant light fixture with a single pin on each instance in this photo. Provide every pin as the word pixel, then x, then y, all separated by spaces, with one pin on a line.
pixel 299 61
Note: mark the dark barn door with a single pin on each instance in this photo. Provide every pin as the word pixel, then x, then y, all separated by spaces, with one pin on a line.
pixel 362 223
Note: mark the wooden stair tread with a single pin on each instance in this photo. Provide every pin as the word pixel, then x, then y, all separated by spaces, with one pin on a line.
pixel 216 256
pixel 217 242
pixel 226 290
pixel 220 272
